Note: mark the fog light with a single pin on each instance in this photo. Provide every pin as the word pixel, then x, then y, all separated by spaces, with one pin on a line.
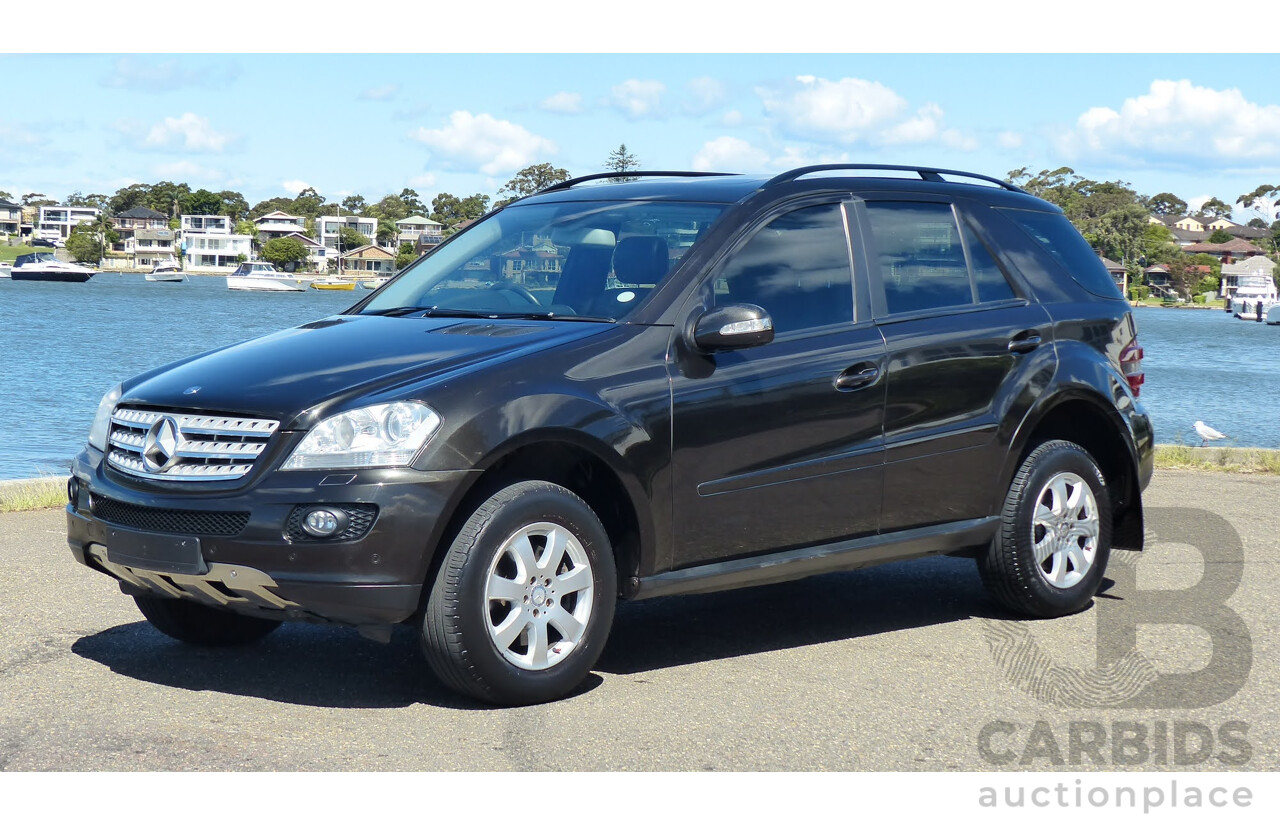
pixel 324 523
pixel 73 490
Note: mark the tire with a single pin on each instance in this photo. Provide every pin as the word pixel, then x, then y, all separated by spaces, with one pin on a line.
pixel 506 623
pixel 1058 506
pixel 197 624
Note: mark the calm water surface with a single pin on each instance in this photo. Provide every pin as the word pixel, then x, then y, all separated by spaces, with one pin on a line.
pixel 63 345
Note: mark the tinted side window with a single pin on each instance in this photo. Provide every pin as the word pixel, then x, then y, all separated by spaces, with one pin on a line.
pixel 921 260
pixel 987 275
pixel 1059 238
pixel 796 268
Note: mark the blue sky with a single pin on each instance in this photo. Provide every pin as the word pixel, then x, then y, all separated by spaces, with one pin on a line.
pixel 270 124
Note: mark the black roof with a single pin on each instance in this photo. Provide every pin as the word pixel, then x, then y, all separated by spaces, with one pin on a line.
pixel 4 202
pixel 143 212
pixel 734 188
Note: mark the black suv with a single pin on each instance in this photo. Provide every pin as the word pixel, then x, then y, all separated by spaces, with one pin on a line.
pixel 679 383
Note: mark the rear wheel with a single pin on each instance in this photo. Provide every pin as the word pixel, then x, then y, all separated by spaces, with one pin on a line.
pixel 197 624
pixel 521 607
pixel 1051 552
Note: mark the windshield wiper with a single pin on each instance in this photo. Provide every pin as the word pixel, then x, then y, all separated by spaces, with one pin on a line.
pixel 447 312
pixel 555 316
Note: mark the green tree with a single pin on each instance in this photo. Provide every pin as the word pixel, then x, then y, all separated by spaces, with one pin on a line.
pixel 354 204
pixel 1121 232
pixel 102 228
pixel 1256 223
pixel 1215 208
pixel 84 245
pixel 6 196
pixel 412 202
pixel 308 203
pixel 282 251
pixel 1263 201
pixel 621 161
pixel 1167 203
pixel 270 205
pixel 387 231
pixel 451 211
pixel 247 227
pixel 531 180
pixel 130 197
pixel 404 258
pixel 1220 236
pixel 88 201
pixel 38 199
pixel 167 198
pixel 234 206
pixel 349 239
pixel 201 202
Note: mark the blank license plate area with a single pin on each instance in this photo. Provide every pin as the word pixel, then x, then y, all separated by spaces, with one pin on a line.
pixel 155 551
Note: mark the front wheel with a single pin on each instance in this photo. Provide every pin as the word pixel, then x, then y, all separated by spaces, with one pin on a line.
pixel 524 599
pixel 197 624
pixel 1051 552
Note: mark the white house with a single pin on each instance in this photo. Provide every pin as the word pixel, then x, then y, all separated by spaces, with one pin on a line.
pixel 278 224
pixel 208 245
pixel 422 233
pixel 327 227
pixel 1255 275
pixel 57 221
pixel 206 224
pixel 148 247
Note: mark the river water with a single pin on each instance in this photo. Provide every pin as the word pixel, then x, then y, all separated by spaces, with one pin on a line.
pixel 63 345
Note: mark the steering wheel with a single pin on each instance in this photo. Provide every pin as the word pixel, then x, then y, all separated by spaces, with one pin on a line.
pixel 503 286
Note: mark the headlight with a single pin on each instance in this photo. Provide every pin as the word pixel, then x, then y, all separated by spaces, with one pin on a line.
pixel 384 435
pixel 102 420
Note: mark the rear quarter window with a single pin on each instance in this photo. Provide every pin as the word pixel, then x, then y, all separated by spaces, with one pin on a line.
pixel 1055 235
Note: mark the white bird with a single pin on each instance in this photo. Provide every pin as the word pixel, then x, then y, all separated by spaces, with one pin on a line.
pixel 1207 433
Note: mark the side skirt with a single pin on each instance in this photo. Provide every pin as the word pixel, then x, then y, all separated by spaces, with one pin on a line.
pixel 827 558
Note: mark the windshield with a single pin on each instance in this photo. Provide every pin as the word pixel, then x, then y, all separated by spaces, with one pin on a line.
pixel 593 260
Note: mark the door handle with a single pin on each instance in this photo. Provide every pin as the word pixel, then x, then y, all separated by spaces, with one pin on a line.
pixel 857 376
pixel 1024 341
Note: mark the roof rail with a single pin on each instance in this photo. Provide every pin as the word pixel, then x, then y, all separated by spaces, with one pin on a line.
pixel 925 172
pixel 556 187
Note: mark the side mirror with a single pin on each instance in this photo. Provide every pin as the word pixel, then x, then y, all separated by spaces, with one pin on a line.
pixel 736 326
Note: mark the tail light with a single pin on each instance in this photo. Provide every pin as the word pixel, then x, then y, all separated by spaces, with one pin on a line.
pixel 1131 366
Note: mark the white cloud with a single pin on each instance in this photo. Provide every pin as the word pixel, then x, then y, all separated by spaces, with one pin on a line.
pixel 189 133
pixel 485 143
pixel 563 103
pixel 702 95
pixel 1179 121
pixel 1009 140
pixel 732 119
pixel 845 109
pixel 638 98
pixel 293 187
pixel 729 154
pixel 425 180
pixel 922 128
pixel 380 92
pixel 793 157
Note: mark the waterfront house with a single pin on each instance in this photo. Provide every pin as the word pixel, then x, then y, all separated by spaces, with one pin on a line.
pixel 318 255
pixel 327 227
pixel 1248 272
pixel 1117 271
pixel 1157 276
pixel 278 224
pixel 148 247
pixel 209 245
pixel 369 260
pixel 421 233
pixel 10 218
pixel 56 221
pixel 1229 252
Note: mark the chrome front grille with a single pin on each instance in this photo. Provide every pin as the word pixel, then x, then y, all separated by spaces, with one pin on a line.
pixel 177 446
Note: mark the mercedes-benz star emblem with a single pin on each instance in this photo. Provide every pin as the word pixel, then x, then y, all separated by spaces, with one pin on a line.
pixel 160 450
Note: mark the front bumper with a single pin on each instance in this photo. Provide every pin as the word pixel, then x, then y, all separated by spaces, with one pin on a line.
pixel 263 568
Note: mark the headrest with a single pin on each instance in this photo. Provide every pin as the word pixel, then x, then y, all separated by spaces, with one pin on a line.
pixel 641 259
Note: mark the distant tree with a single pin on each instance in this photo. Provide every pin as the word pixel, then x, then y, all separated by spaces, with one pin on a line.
pixel 129 197
pixel 1167 203
pixel 354 204
pixel 412 202
pixel 6 196
pixel 201 202
pixel 1215 208
pixel 234 206
pixel 84 245
pixel 1121 232
pixel 247 227
pixel 349 239
pixel 88 201
pixel 530 180
pixel 37 199
pixel 282 251
pixel 1257 223
pixel 1220 236
pixel 167 198
pixel 404 258
pixel 308 203
pixel 1158 244
pixel 387 231
pixel 391 208
pixel 621 161
pixel 450 211
pixel 270 205
pixel 103 228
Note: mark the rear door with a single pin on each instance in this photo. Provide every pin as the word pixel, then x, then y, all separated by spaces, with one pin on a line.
pixel 965 349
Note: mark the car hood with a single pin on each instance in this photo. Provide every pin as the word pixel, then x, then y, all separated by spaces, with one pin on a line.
pixel 296 375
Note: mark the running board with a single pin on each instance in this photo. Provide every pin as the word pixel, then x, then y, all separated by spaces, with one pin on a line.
pixel 827 558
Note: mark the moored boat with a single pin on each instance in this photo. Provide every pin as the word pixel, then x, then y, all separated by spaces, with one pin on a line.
pixel 167 272
pixel 333 283
pixel 260 276
pixel 374 283
pixel 43 266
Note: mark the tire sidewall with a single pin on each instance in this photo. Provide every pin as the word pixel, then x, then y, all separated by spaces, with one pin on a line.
pixel 1058 458
pixel 530 505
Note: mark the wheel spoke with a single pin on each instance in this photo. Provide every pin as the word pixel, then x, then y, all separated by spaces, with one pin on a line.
pixel 579 578
pixel 1073 504
pixel 1076 555
pixel 509 629
pixel 570 628
pixel 557 543
pixel 1060 495
pixel 1058 570
pixel 538 644
pixel 522 549
pixel 506 590
pixel 1045 548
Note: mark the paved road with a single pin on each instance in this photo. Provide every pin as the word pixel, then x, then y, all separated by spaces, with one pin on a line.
pixel 901 667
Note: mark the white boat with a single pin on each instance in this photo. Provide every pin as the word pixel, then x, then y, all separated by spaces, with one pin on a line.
pixel 1254 289
pixel 1273 315
pixel 260 276
pixel 5 269
pixel 374 283
pixel 43 266
pixel 167 272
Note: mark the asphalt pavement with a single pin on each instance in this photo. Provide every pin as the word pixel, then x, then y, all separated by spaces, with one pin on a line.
pixel 900 667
